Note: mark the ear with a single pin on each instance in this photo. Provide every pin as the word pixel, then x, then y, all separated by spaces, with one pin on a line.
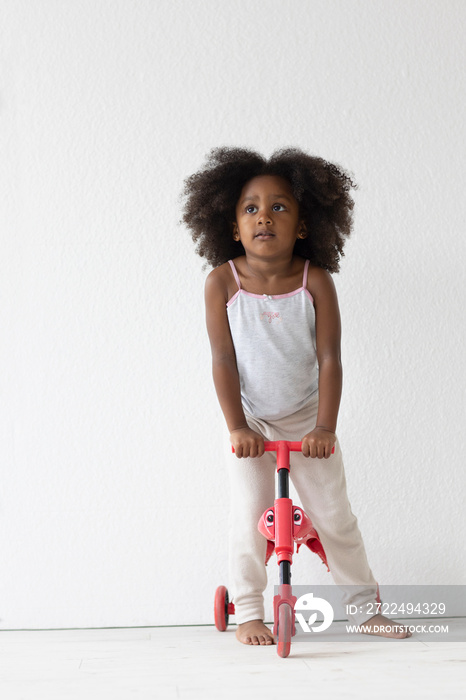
pixel 302 233
pixel 236 235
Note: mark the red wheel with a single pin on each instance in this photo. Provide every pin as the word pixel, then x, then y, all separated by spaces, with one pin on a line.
pixel 285 623
pixel 221 608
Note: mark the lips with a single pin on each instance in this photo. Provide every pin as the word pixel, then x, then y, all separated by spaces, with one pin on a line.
pixel 264 234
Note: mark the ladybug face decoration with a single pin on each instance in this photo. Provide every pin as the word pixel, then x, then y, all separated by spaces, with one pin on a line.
pixel 301 523
pixel 303 532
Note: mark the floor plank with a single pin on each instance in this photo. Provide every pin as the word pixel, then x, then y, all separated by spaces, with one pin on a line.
pixel 194 663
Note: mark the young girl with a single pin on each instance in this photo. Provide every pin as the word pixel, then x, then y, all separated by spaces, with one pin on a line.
pixel 274 231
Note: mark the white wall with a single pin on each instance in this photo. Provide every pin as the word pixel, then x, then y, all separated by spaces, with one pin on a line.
pixel 113 499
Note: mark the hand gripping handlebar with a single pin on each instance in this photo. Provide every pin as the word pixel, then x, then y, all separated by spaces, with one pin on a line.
pixel 283 449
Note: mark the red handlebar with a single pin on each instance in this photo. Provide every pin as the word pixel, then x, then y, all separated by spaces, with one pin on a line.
pixel 272 446
pixel 283 449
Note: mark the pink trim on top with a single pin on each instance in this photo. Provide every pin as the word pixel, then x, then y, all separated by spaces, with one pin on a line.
pixel 306 268
pixel 303 288
pixel 230 302
pixel 235 273
pixel 306 291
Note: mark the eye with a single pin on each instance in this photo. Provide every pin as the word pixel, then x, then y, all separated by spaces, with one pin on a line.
pixel 251 206
pixel 269 517
pixel 297 517
pixel 278 205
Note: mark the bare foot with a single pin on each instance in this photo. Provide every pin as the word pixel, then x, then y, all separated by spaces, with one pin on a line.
pixel 382 626
pixel 254 632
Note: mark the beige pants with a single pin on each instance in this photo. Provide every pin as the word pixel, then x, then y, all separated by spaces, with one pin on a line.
pixel 321 486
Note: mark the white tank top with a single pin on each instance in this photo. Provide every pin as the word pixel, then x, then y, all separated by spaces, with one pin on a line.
pixel 275 345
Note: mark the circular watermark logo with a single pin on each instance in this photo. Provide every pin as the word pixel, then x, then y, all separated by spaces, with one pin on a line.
pixel 310 605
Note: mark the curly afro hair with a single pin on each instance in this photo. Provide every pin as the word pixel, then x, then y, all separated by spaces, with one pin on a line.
pixel 321 189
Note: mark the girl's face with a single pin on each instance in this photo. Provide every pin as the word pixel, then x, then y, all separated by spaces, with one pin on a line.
pixel 267 217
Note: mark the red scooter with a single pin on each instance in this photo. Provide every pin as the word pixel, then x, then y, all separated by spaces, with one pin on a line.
pixel 282 525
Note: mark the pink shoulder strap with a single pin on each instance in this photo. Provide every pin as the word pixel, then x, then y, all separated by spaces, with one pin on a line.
pixel 306 268
pixel 233 268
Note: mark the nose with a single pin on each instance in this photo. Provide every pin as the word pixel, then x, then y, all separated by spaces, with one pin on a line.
pixel 263 217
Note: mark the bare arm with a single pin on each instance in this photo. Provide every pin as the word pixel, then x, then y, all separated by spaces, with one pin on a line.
pixel 247 442
pixel 320 441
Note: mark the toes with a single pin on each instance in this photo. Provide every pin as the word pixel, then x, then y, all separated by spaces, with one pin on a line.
pixel 258 639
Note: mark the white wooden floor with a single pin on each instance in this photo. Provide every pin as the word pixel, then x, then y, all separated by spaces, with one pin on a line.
pixel 201 663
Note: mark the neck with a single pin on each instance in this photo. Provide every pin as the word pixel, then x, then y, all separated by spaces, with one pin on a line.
pixel 264 269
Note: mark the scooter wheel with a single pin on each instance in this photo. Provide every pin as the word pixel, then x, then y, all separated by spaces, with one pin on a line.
pixel 285 623
pixel 221 608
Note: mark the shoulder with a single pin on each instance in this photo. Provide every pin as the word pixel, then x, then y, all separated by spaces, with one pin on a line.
pixel 320 283
pixel 219 276
pixel 222 279
pixel 218 282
